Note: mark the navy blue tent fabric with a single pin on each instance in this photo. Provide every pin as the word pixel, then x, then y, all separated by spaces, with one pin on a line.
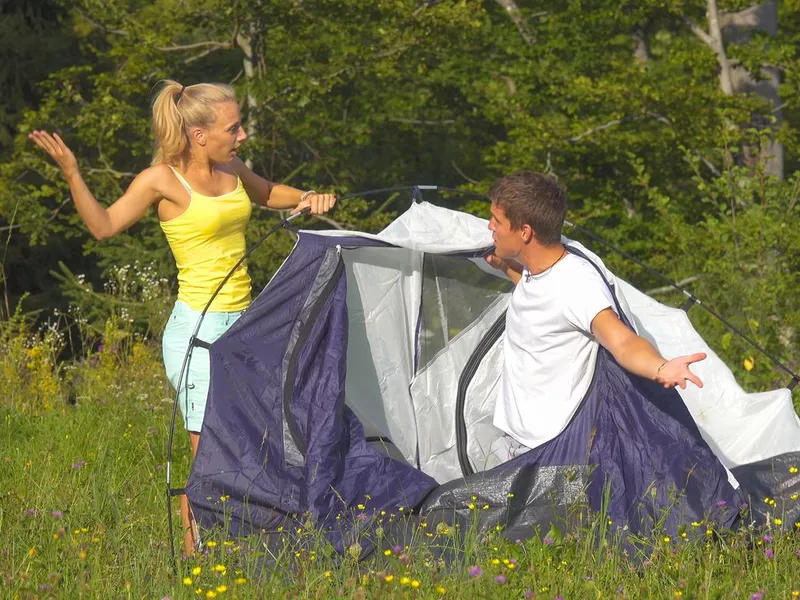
pixel 630 439
pixel 277 439
pixel 632 450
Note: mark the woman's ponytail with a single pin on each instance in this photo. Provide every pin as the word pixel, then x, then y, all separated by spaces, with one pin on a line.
pixel 176 108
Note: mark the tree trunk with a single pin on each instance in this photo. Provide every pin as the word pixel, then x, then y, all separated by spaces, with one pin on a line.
pixel 246 43
pixel 737 28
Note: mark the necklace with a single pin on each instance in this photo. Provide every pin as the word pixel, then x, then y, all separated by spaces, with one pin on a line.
pixel 543 274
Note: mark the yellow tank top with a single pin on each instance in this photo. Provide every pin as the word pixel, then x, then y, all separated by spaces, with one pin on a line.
pixel 207 240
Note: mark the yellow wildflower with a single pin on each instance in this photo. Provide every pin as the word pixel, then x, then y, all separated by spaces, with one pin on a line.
pixel 778 522
pixel 387 552
pixel 197 570
pixel 211 594
pixel 212 544
pixel 389 578
pixel 472 506
pixel 220 568
pixel 495 561
pixel 227 543
pixel 361 507
pixel 187 581
pixel 242 580
pixel 792 469
pixel 404 581
pixel 666 539
pixel 414 583
pixel 32 552
pixel 222 589
pixel 749 363
pixel 440 589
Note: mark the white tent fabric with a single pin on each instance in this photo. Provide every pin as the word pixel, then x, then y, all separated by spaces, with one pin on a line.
pixel 414 404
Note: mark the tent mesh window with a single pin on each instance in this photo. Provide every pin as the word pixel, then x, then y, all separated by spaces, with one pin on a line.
pixel 455 291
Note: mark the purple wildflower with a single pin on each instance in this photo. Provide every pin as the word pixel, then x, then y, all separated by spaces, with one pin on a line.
pixel 513 561
pixel 57 514
pixel 31 512
pixel 484 540
pixel 397 549
pixel 547 540
pixel 79 464
pixel 500 579
pixel 475 571
pixel 721 503
pixel 361 517
pixel 767 538
pixel 404 559
pixel 528 594
pixel 559 598
pixel 166 598
pixel 769 553
pixel 757 596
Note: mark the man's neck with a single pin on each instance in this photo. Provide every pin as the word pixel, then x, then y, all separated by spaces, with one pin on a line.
pixel 538 258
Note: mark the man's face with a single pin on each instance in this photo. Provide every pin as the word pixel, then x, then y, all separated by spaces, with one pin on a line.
pixel 508 242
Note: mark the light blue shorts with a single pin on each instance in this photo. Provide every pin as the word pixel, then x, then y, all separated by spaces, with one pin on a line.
pixel 175 342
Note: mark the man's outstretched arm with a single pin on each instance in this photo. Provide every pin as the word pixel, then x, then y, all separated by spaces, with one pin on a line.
pixel 638 356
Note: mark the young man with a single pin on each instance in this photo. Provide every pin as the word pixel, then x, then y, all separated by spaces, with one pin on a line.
pixel 561 309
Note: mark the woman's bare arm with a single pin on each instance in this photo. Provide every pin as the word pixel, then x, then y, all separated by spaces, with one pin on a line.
pixel 278 196
pixel 102 222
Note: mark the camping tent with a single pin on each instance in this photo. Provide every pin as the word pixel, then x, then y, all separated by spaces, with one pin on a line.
pixel 365 375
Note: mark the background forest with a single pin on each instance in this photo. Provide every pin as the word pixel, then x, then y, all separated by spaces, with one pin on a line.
pixel 673 124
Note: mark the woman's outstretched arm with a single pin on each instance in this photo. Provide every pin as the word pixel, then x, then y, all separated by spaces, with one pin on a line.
pixel 102 222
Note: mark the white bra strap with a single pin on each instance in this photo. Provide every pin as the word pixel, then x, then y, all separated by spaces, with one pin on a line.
pixel 181 179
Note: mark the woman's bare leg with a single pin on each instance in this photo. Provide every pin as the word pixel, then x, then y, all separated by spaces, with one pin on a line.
pixel 187 518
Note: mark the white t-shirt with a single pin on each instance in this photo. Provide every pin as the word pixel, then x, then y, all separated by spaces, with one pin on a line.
pixel 549 350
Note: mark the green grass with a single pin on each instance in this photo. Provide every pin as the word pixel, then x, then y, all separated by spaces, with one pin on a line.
pixel 82 514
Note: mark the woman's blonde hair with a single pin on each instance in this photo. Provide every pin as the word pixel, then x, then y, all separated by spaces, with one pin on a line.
pixel 177 108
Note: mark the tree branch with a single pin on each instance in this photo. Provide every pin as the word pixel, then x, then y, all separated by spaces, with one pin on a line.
pixel 206 44
pixel 511 8
pixel 599 128
pixel 669 288
pixel 421 122
pixel 100 25
pixel 699 32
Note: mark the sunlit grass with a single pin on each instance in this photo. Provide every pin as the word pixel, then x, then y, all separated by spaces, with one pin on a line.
pixel 82 514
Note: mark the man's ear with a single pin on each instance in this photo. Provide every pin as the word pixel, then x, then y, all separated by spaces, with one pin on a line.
pixel 527 233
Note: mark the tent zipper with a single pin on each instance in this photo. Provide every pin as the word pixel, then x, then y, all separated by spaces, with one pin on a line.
pixel 288 389
pixel 486 343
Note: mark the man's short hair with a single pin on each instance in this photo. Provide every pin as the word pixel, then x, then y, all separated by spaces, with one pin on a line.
pixel 534 199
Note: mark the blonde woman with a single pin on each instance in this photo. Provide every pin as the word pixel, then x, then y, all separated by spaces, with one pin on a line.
pixel 202 194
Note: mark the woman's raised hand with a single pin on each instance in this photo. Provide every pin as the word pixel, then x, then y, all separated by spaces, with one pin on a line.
pixel 57 149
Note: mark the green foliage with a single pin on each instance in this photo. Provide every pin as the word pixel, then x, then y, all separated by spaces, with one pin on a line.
pixel 621 102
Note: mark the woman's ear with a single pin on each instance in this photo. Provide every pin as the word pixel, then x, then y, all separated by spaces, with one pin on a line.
pixel 198 135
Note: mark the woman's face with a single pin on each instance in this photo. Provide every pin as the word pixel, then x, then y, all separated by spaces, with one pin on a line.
pixel 224 135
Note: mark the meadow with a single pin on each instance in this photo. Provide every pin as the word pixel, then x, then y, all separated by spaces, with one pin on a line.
pixel 82 512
